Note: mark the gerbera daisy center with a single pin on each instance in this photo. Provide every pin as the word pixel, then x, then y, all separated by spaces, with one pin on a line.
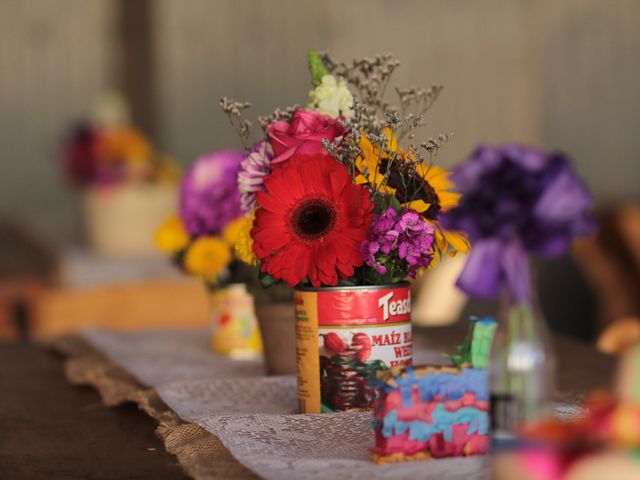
pixel 314 218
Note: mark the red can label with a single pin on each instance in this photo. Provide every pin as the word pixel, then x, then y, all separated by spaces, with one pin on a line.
pixel 343 338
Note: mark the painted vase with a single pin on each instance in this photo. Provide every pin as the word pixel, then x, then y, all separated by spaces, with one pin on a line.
pixel 235 332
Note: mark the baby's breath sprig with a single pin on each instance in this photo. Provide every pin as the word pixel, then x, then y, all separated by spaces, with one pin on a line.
pixel 433 145
pixel 369 76
pixel 279 114
pixel 235 113
pixel 420 99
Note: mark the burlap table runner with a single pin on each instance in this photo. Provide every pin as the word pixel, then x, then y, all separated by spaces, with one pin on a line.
pixel 201 454
pixel 211 410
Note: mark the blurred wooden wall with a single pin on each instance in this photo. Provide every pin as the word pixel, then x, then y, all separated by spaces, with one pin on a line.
pixel 563 74
pixel 55 56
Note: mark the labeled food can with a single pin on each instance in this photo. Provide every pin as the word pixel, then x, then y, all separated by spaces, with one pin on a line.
pixel 344 336
pixel 235 331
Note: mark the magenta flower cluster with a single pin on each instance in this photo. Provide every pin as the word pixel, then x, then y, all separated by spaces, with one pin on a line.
pixel 399 241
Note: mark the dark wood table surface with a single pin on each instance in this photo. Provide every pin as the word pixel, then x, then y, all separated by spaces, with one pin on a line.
pixel 50 429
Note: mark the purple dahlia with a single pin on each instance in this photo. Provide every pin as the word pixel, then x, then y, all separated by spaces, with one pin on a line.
pixel 209 196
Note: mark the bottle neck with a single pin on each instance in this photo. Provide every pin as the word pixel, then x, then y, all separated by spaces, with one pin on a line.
pixel 517 283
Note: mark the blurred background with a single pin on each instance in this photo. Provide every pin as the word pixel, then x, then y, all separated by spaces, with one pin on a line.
pixel 561 75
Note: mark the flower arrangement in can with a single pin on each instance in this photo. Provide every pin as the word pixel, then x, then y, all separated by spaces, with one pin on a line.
pixel 339 192
pixel 344 206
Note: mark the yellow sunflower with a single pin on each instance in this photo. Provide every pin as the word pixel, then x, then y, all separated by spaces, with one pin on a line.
pixel 370 162
pixel 446 241
pixel 373 160
pixel 171 236
pixel 207 257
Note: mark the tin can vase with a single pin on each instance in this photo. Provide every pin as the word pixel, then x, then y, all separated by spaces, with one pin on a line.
pixel 344 336
pixel 235 332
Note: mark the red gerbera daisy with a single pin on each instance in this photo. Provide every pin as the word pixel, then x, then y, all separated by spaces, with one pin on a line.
pixel 311 222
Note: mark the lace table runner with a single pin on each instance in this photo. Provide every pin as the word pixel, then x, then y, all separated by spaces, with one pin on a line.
pixel 254 415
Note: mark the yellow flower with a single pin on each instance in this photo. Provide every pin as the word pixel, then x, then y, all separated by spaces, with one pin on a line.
pixel 372 165
pixel 207 257
pixel 370 162
pixel 232 231
pixel 168 171
pixel 171 236
pixel 448 242
pixel 243 247
pixel 438 179
pixel 124 144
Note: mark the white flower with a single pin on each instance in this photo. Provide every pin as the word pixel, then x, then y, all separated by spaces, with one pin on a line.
pixel 332 97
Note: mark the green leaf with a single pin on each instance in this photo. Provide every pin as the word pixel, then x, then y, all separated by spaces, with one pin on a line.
pixel 266 280
pixel 317 68
pixel 383 202
pixel 395 204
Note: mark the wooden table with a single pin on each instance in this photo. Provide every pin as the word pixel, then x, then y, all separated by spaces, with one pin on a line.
pixel 51 429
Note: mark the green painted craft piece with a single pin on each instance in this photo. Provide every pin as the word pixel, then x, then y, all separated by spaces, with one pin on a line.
pixel 481 344
pixel 476 348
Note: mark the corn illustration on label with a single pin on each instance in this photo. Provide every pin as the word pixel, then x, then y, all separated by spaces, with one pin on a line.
pixel 343 338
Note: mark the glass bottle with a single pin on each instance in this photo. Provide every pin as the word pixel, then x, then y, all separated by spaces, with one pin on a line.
pixel 521 370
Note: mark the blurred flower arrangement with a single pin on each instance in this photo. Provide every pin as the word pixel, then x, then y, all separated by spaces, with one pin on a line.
pixel 203 236
pixel 108 150
pixel 517 201
pixel 339 193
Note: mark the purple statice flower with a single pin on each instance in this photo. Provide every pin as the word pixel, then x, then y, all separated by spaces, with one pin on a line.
pixel 515 201
pixel 209 196
pixel 255 166
pixel 398 240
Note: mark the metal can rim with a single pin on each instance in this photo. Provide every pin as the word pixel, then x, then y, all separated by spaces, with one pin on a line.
pixel 390 286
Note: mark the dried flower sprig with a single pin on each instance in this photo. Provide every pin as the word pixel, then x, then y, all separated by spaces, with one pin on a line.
pixel 235 113
pixel 369 76
pixel 433 145
pixel 421 98
pixel 279 114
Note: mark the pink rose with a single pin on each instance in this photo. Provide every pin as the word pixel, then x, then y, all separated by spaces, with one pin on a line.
pixel 303 135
